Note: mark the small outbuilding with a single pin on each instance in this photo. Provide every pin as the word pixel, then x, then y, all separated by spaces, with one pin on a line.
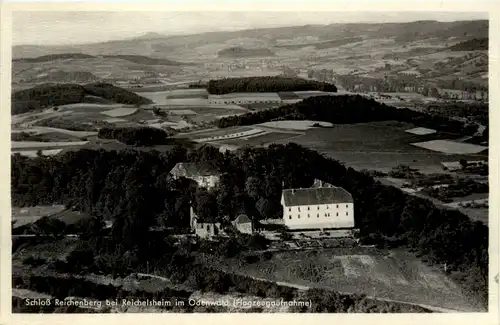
pixel 243 224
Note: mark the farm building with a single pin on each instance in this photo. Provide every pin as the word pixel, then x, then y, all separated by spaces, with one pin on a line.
pixel 227 147
pixel 244 98
pixel 318 207
pixel 203 229
pixel 204 175
pixel 243 224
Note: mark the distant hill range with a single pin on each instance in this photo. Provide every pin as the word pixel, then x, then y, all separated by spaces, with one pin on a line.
pixel 158 46
pixel 476 44
pixel 139 59
pixel 241 52
pixel 65 76
pixel 323 45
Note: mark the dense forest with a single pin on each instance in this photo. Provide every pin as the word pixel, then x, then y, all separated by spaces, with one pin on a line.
pixel 476 44
pixel 136 136
pixel 347 109
pixel 62 94
pixel 266 84
pixel 132 189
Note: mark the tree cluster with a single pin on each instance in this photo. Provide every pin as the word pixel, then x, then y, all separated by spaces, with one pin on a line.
pixel 321 75
pixel 347 109
pixel 477 112
pixel 46 95
pixel 136 136
pixel 266 84
pixel 459 189
pixel 475 44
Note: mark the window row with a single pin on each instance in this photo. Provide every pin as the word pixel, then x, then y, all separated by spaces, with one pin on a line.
pixel 308 215
pixel 309 208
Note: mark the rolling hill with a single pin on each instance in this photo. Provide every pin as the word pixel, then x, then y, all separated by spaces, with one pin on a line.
pixel 240 52
pixel 159 46
pixel 61 94
pixel 423 53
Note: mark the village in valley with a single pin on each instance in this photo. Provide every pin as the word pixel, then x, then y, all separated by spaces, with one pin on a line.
pixel 344 165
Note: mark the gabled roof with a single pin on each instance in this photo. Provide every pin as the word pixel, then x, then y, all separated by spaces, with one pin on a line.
pixel 315 196
pixel 193 169
pixel 242 218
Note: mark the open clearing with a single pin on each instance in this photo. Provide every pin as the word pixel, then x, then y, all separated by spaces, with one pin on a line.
pixel 158 97
pixel 421 131
pixel 34 144
pixel 114 120
pixel 122 111
pixel 43 129
pixel 391 274
pixel 87 107
pixel 450 147
pixel 295 125
pixel 377 146
pixel 241 134
pixel 181 112
pixel 23 216
pixel 262 139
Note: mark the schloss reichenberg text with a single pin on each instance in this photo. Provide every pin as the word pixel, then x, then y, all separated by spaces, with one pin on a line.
pixel 236 303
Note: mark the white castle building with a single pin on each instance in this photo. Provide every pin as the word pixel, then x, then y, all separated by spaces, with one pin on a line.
pixel 317 208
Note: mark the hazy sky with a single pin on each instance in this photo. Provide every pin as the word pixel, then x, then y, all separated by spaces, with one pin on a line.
pixel 56 27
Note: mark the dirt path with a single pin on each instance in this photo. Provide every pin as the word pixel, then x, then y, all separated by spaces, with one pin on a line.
pixel 302 287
